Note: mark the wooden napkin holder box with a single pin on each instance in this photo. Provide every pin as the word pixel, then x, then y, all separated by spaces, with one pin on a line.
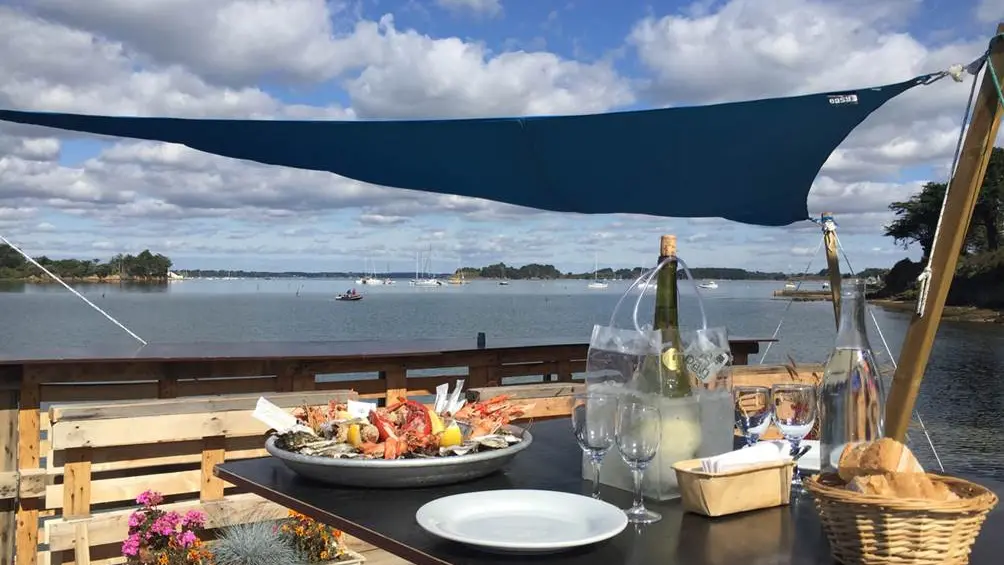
pixel 763 485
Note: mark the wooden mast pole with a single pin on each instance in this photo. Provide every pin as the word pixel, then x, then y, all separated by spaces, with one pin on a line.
pixel 832 261
pixel 963 191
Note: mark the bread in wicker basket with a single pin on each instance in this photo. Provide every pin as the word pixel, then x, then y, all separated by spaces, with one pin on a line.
pixel 874 514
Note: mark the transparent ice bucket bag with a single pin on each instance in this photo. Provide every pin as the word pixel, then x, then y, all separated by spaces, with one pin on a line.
pixel 626 361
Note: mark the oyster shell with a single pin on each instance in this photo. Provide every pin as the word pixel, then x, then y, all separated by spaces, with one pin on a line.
pixel 329 448
pixel 293 441
pixel 495 441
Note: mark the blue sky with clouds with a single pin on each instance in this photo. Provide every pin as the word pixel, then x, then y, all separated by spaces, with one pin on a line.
pixel 69 195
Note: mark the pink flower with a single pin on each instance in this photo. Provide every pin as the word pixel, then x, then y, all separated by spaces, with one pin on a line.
pixel 187 538
pixel 136 518
pixel 149 498
pixel 131 545
pixel 194 519
pixel 166 524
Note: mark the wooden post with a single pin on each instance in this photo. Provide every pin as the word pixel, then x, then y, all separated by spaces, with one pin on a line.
pixel 28 454
pixel 963 190
pixel 8 464
pixel 832 262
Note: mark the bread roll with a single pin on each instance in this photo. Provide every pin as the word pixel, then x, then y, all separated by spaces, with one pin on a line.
pixel 876 457
pixel 902 485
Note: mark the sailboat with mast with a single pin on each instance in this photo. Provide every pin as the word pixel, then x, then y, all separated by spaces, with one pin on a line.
pixel 597 284
pixel 424 278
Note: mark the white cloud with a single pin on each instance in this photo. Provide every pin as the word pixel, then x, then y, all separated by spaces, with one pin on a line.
pixel 989 11
pixel 426 77
pixel 490 8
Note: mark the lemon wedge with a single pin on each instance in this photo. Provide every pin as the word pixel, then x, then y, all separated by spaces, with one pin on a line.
pixel 435 421
pixel 354 438
pixel 451 436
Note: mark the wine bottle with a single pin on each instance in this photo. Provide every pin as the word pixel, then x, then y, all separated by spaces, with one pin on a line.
pixel 675 382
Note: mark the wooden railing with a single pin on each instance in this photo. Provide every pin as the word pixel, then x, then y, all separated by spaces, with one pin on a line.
pixel 118 422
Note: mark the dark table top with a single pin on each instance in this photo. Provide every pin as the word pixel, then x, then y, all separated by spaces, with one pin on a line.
pixel 386 518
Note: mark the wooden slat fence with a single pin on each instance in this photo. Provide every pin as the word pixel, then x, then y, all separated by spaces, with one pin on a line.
pixel 75 464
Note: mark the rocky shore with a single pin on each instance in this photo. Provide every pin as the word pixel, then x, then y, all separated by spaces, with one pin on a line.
pixel 951 313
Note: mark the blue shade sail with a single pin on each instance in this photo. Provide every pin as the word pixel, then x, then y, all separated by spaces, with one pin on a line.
pixel 751 162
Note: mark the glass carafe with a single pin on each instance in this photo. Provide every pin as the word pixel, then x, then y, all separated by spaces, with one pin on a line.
pixel 852 397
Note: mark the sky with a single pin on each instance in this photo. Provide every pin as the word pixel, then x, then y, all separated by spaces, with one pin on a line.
pixel 69 195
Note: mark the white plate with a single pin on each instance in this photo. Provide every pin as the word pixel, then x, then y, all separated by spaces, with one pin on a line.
pixel 522 521
pixel 810 461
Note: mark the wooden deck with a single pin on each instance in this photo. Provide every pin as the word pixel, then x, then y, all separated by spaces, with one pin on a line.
pixel 121 420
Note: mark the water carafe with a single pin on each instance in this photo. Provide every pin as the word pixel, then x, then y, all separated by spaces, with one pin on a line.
pixel 852 397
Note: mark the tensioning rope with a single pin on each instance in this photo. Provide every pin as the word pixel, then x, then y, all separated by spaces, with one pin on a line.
pixel 31 260
pixel 791 301
pixel 957 74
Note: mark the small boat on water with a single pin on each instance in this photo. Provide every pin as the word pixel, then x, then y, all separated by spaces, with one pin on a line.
pixel 710 285
pixel 597 282
pixel 349 296
pixel 503 283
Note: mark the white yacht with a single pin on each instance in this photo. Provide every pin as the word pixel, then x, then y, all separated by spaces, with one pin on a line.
pixel 709 285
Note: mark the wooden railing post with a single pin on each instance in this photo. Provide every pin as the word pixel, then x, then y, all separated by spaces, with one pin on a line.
pixel 8 468
pixel 396 378
pixel 77 499
pixel 29 435
pixel 214 452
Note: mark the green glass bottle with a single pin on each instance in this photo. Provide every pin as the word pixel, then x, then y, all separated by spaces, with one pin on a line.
pixel 675 381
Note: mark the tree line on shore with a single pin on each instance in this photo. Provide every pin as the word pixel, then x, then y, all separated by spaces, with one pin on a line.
pixel 148 266
pixel 980 272
pixel 144 266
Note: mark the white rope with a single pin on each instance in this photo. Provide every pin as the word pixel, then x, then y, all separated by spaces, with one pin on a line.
pixel 791 301
pixel 924 279
pixel 892 358
pixel 71 289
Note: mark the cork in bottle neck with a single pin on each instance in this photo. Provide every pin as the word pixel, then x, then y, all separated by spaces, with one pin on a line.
pixel 667 246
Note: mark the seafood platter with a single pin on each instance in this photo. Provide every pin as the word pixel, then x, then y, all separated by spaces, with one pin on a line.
pixel 405 444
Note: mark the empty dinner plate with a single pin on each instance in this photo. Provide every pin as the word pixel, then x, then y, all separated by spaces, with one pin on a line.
pixel 522 521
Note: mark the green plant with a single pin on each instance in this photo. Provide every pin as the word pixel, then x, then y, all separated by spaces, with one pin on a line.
pixel 255 543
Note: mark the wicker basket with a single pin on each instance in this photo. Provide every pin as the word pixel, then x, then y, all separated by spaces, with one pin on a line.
pixel 871 530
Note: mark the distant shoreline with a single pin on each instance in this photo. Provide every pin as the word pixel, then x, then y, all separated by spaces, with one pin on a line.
pixel 951 313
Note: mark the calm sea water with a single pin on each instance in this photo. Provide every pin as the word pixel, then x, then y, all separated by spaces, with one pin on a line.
pixel 962 396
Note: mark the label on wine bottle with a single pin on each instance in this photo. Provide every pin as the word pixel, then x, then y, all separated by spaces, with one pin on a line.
pixel 670 359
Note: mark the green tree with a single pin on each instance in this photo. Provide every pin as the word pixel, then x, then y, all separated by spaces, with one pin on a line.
pixel 988 212
pixel 917 218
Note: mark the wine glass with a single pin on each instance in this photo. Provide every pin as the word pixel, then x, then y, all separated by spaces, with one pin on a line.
pixel 593 421
pixel 794 414
pixel 753 411
pixel 639 430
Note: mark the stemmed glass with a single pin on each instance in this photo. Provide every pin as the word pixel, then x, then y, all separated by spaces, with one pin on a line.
pixel 753 411
pixel 639 430
pixel 593 421
pixel 794 414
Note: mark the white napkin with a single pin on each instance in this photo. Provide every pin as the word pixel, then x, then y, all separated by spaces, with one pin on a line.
pixel 359 409
pixel 276 418
pixel 455 403
pixel 442 398
pixel 762 452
